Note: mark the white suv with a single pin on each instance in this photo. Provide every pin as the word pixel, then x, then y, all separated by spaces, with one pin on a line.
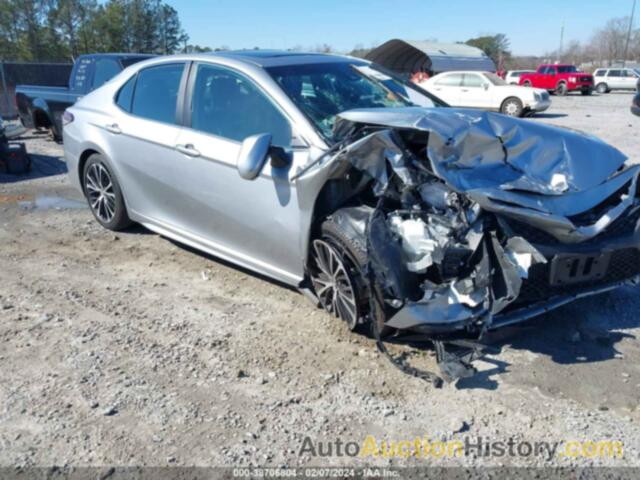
pixel 607 79
pixel 513 76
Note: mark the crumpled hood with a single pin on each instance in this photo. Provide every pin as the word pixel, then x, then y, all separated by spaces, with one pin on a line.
pixel 472 149
pixel 534 173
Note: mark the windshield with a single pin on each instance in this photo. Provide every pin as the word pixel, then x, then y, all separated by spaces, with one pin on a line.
pixel 495 79
pixel 323 90
pixel 567 69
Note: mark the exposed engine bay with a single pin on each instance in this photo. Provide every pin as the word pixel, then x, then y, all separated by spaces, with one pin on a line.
pixel 445 204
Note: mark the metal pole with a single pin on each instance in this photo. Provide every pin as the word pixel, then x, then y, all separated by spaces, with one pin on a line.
pixel 626 47
pixel 561 42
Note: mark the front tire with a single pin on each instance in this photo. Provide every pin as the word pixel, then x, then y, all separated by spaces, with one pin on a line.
pixel 512 107
pixel 104 195
pixel 337 270
pixel 602 88
pixel 561 89
pixel 587 91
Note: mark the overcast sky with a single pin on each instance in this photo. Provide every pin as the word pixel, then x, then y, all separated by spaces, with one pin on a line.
pixel 533 26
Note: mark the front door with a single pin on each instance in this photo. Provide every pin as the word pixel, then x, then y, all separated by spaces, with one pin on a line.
pixel 255 223
pixel 473 92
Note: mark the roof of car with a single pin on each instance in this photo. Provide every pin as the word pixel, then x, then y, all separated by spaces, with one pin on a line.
pixel 119 55
pixel 277 58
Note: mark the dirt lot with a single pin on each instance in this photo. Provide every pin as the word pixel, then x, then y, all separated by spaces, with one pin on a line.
pixel 129 349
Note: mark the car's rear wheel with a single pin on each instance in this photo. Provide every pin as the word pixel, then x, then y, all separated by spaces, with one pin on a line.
pixel 104 194
pixel 602 88
pixel 337 271
pixel 586 91
pixel 512 106
pixel 527 83
pixel 561 89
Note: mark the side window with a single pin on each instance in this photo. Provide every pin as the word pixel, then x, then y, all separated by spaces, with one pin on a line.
pixel 551 70
pixel 229 105
pixel 599 73
pixel 614 73
pixel 125 95
pixel 156 92
pixel 105 70
pixel 452 80
pixel 471 80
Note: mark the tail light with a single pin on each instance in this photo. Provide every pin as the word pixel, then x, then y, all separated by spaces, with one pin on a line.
pixel 67 117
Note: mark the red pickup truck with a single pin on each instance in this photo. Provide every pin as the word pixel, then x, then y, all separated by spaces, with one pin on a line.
pixel 559 79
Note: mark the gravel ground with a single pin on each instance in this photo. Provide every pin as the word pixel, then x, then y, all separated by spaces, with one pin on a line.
pixel 127 349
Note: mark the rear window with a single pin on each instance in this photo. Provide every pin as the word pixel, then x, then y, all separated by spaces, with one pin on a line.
pixel 600 73
pixel 125 95
pixel 156 93
pixel 105 70
pixel 453 80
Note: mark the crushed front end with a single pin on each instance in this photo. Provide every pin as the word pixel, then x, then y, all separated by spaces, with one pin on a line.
pixel 477 220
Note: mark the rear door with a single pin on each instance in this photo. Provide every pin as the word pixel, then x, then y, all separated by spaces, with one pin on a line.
pixel 143 138
pixel 614 79
pixel 447 86
pixel 630 79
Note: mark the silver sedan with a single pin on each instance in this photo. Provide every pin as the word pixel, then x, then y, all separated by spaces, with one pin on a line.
pixel 335 176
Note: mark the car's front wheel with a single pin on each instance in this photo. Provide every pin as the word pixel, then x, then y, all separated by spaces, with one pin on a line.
pixel 337 271
pixel 561 89
pixel 512 106
pixel 104 194
pixel 602 88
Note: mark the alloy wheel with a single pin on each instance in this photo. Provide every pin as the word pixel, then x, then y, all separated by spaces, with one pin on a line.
pixel 512 108
pixel 333 283
pixel 100 192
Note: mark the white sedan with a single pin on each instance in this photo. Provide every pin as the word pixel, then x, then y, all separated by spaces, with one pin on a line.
pixel 487 91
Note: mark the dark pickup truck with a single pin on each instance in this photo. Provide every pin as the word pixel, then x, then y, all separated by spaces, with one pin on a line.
pixel 42 107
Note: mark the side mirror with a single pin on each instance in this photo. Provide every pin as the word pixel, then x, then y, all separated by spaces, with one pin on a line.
pixel 253 155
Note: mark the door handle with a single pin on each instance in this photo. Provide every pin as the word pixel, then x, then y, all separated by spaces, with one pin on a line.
pixel 113 128
pixel 188 149
pixel 464 90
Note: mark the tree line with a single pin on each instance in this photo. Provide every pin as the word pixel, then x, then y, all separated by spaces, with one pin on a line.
pixel 606 46
pixel 60 30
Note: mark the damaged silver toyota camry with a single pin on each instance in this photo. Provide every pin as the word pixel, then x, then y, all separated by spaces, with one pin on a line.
pixel 378 200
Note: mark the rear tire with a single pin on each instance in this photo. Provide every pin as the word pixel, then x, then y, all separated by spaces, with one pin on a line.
pixel 602 88
pixel 527 83
pixel 104 195
pixel 512 107
pixel 352 255
pixel 587 91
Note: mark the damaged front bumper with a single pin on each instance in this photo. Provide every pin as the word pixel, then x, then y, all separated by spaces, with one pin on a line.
pixel 545 288
pixel 477 220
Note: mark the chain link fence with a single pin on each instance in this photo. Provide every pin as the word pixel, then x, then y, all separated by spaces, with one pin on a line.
pixel 22 73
